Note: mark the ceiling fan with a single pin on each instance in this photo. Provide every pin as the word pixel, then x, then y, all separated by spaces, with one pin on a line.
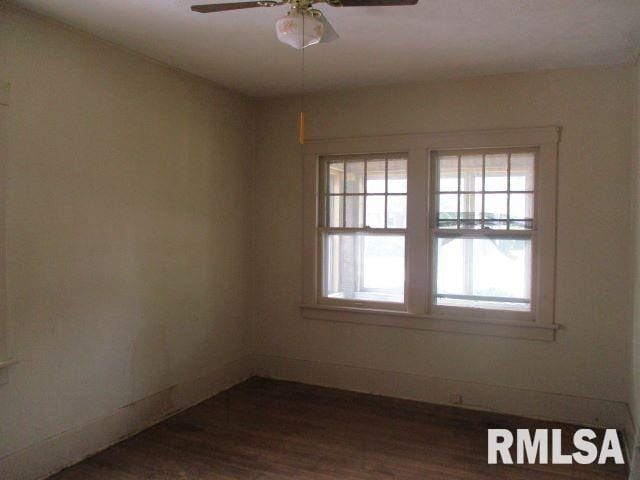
pixel 303 25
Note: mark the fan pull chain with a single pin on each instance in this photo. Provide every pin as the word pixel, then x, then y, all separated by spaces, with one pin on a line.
pixel 301 128
pixel 301 119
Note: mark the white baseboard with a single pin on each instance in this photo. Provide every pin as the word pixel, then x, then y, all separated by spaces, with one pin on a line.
pixel 495 398
pixel 48 456
pixel 57 452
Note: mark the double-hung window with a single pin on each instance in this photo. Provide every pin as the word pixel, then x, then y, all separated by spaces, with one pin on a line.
pixel 447 231
pixel 483 229
pixel 362 232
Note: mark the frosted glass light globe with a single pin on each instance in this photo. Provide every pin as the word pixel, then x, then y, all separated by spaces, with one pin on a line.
pixel 290 30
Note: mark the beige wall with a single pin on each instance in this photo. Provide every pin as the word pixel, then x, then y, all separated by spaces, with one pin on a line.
pixel 127 268
pixel 635 347
pixel 590 356
pixel 140 236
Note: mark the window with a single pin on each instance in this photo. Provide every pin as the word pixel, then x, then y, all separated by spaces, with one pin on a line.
pixel 454 233
pixel 483 228
pixel 363 228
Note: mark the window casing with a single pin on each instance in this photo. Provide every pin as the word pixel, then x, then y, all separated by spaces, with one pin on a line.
pixel 473 200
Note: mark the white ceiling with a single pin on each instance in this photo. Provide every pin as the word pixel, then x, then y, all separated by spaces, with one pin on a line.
pixel 383 45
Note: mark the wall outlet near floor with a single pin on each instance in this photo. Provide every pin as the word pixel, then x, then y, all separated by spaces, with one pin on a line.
pixel 455 398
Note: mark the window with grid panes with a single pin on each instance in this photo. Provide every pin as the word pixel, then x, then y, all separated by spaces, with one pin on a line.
pixel 454 234
pixel 363 228
pixel 483 222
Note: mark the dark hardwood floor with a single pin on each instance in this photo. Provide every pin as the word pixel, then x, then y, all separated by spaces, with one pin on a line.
pixel 265 429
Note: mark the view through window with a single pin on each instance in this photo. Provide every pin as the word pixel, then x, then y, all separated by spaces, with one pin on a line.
pixel 484 229
pixel 483 206
pixel 365 201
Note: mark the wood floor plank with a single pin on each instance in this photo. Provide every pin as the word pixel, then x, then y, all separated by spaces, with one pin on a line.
pixel 265 430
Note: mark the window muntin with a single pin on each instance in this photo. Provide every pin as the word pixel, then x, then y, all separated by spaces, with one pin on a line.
pixel 363 228
pixel 486 190
pixel 483 231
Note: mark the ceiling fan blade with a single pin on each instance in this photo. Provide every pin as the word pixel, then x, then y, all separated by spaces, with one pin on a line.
pixel 329 34
pixel 223 7
pixel 371 3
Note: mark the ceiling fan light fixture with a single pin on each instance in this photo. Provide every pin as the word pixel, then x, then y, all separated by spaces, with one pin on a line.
pixel 299 29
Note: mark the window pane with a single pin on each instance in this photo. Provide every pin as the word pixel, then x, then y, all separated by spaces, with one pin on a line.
pixel 521 206
pixel 376 176
pixel 334 213
pixel 522 171
pixel 335 182
pixel 492 273
pixel 397 211
pixel 447 224
pixel 471 224
pixel 470 205
pixel 365 267
pixel 495 206
pixel 375 211
pixel 354 211
pixel 448 173
pixel 448 206
pixel 521 225
pixel 495 174
pixel 355 177
pixel 471 173
pixel 496 224
pixel 397 176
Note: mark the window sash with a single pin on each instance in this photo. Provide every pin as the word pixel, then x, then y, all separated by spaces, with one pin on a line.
pixel 325 165
pixel 506 311
pixel 323 233
pixel 436 193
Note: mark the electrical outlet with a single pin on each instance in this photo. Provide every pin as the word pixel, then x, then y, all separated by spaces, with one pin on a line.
pixel 455 398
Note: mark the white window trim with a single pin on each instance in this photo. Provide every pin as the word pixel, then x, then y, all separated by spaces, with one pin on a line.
pixel 5 360
pixel 417 315
pixel 324 300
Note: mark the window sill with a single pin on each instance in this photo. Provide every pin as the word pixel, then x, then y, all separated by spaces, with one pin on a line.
pixel 441 323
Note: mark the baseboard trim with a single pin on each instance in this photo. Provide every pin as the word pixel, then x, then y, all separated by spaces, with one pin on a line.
pixel 55 453
pixel 514 401
pixel 48 456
